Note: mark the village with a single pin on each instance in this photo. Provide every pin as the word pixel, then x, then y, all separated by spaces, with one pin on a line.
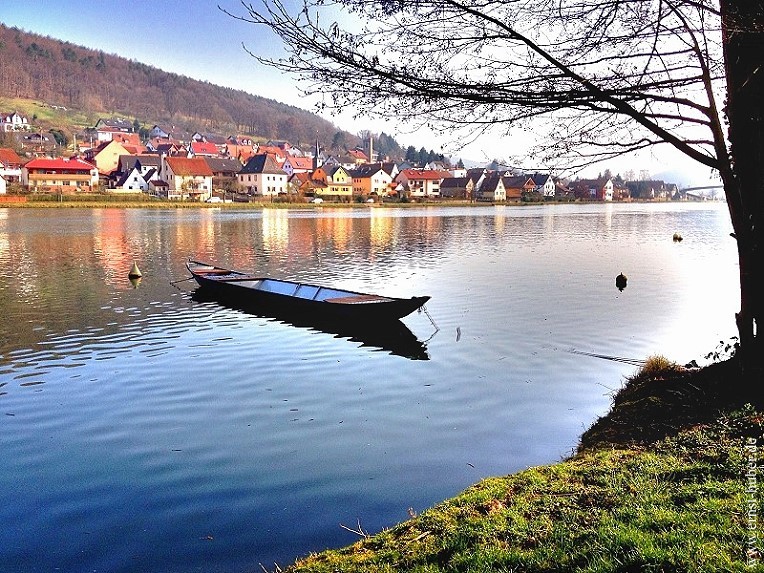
pixel 112 158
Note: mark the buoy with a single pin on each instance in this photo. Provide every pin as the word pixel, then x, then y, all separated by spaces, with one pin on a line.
pixel 620 281
pixel 135 281
pixel 135 272
pixel 677 237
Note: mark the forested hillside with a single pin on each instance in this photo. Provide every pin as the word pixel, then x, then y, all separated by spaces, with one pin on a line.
pixel 62 74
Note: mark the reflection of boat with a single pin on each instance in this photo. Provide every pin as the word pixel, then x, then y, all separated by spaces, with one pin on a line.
pixel 390 335
pixel 300 300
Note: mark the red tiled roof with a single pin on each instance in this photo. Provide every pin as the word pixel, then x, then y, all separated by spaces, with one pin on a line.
pixel 59 163
pixel 184 166
pixel 204 147
pixel 9 157
pixel 301 162
pixel 428 174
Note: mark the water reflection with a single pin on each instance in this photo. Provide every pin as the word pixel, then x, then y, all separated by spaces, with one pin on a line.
pixel 392 336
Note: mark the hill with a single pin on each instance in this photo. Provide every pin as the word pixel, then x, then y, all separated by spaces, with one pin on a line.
pixel 91 84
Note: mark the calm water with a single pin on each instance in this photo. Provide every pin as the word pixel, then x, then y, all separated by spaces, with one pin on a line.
pixel 142 429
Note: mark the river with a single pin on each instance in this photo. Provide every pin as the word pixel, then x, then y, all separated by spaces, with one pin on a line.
pixel 144 428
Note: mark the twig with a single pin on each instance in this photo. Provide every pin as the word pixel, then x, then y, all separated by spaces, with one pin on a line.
pixel 359 531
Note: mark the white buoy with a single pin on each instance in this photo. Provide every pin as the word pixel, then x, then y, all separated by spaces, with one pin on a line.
pixel 135 272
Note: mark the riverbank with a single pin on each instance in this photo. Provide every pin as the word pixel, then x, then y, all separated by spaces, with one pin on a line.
pixel 666 481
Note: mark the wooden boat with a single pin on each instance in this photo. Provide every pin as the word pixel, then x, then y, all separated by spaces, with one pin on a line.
pixel 295 299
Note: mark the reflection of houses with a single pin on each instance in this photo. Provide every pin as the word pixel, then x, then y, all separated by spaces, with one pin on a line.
pixel 10 165
pixel 61 175
pixel 187 178
pixel 262 176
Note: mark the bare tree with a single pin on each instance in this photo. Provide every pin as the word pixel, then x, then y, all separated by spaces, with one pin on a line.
pixel 600 78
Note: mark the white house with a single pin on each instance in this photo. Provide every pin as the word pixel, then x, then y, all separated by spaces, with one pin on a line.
pixel 422 183
pixel 261 176
pixel 544 184
pixel 13 122
pixel 132 181
pixel 187 178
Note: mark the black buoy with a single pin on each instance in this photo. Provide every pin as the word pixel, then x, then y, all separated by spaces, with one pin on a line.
pixel 677 237
pixel 620 281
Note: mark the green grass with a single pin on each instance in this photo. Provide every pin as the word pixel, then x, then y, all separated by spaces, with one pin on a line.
pixel 672 503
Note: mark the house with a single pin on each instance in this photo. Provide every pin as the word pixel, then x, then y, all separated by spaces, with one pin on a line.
pixel 422 183
pixel 202 149
pixel 543 184
pixel 358 156
pixel 517 186
pixel 294 165
pixel 370 179
pixel 165 148
pixel 107 129
pixel 224 172
pixel 648 189
pixel 132 180
pixel 145 162
pixel 278 154
pixel 188 178
pixel 59 175
pixel 492 189
pixel 158 132
pixel 262 176
pixel 3 186
pixel 35 143
pixel 106 157
pixel 129 140
pixel 457 188
pixel 10 165
pixel 14 121
pixel 593 189
pixel 335 183
pixel 477 176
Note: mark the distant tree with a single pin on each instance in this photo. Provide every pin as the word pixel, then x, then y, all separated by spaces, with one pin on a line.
pixel 460 164
pixel 339 141
pixel 411 154
pixel 60 137
pixel 608 76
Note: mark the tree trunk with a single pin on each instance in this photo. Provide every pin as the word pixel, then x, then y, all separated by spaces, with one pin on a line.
pixel 743 38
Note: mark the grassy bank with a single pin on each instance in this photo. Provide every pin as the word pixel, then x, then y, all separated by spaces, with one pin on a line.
pixel 659 484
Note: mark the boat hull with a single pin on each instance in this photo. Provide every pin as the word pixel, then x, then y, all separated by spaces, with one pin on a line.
pixel 293 300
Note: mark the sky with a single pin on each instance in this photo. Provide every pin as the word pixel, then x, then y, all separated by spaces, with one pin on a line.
pixel 195 38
